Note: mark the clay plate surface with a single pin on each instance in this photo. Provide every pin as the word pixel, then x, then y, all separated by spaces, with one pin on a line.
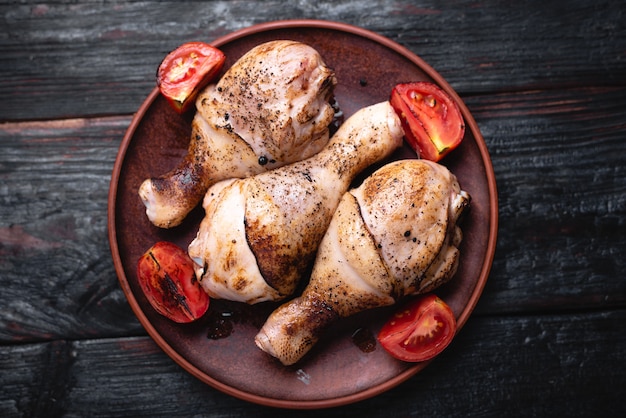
pixel 337 371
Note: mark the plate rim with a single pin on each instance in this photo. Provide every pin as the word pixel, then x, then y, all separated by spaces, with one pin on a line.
pixel 400 377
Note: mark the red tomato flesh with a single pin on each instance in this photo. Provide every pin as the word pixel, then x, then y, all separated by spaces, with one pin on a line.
pixel 167 278
pixel 186 70
pixel 420 330
pixel 432 122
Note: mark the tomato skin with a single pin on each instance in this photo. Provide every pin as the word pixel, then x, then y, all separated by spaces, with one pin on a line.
pixel 167 278
pixel 420 330
pixel 186 70
pixel 433 124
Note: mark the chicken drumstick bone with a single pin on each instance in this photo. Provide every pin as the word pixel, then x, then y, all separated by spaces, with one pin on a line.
pixel 395 235
pixel 260 234
pixel 271 108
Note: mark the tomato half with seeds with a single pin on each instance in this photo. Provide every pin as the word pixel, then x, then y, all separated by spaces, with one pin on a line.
pixel 186 70
pixel 166 276
pixel 432 122
pixel 420 330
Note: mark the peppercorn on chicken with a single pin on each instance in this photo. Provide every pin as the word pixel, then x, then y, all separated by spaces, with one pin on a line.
pixel 393 236
pixel 271 108
pixel 260 234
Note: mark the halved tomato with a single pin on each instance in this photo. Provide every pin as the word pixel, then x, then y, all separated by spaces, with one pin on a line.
pixel 432 122
pixel 167 278
pixel 420 330
pixel 186 70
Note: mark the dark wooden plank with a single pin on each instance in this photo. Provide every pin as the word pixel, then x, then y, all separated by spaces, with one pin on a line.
pixel 547 85
pixel 64 59
pixel 560 245
pixel 560 165
pixel 558 365
pixel 56 270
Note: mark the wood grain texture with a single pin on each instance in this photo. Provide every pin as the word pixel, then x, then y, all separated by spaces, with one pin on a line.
pixel 520 366
pixel 64 59
pixel 545 81
pixel 560 164
pixel 56 268
pixel 563 241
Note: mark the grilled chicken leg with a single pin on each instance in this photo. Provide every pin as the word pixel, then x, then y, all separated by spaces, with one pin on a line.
pixel 260 234
pixel 393 236
pixel 271 108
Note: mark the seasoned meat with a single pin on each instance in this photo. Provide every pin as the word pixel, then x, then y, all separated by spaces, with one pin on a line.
pixel 393 236
pixel 271 108
pixel 260 234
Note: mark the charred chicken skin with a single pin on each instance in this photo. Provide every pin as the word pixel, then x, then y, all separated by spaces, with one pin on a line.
pixel 260 234
pixel 393 236
pixel 271 108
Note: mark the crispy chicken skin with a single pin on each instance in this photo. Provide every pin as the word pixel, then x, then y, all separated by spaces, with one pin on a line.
pixel 260 234
pixel 271 108
pixel 393 236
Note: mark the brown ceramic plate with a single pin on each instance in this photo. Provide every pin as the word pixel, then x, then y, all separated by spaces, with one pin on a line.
pixel 337 371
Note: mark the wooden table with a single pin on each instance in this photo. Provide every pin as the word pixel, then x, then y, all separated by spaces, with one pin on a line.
pixel 546 83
